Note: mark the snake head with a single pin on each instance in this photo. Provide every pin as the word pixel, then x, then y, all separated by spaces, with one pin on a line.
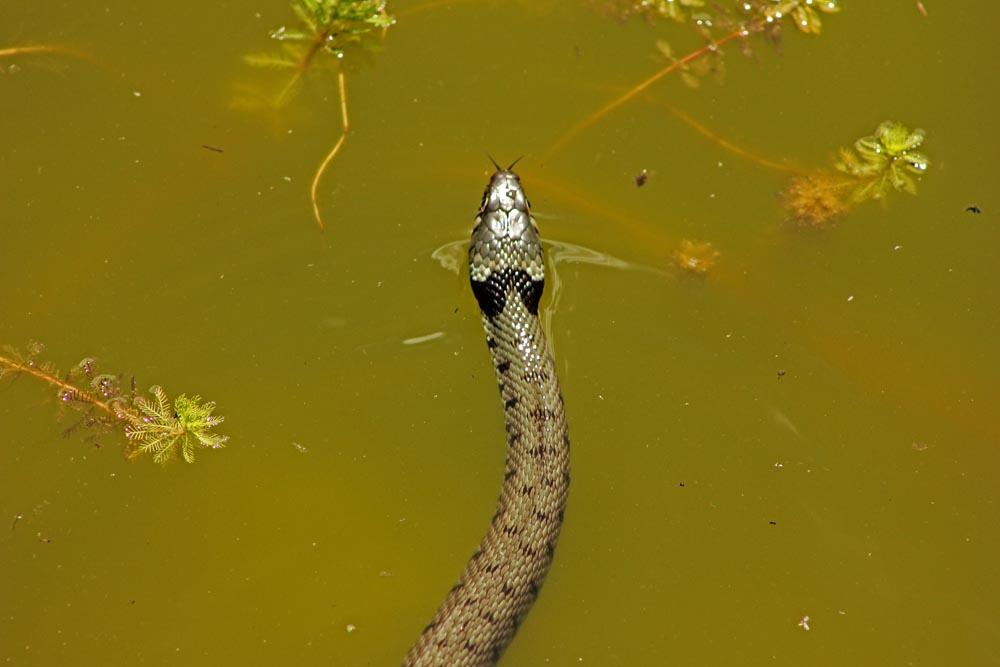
pixel 506 254
pixel 505 209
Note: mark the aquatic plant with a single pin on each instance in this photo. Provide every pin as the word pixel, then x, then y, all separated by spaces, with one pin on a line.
pixel 886 161
pixel 805 13
pixel 334 27
pixel 817 198
pixel 814 200
pixel 879 164
pixel 164 430
pixel 325 26
pixel 676 10
pixel 717 27
pixel 151 425
pixel 336 23
pixel 697 257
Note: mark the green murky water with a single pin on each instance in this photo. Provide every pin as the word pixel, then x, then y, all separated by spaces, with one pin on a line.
pixel 808 430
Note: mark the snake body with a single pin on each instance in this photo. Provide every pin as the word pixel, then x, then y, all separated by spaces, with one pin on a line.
pixel 483 610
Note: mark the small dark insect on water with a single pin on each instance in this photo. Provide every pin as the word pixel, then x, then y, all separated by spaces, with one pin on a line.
pixel 973 209
pixel 641 179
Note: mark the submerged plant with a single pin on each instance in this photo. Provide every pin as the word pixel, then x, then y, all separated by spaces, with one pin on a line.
pixel 650 10
pixel 698 257
pixel 150 424
pixel 717 27
pixel 325 26
pixel 815 200
pixel 805 13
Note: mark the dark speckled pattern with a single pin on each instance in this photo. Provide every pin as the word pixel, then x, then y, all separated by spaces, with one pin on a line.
pixel 483 610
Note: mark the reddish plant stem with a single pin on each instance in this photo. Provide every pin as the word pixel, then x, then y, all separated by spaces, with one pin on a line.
pixel 56 382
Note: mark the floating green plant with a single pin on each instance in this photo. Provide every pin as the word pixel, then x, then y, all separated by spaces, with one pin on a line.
pixel 885 162
pixel 875 166
pixel 163 430
pixel 150 425
pixel 332 27
pixel 325 26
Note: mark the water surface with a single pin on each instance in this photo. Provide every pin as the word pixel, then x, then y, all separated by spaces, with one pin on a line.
pixel 807 430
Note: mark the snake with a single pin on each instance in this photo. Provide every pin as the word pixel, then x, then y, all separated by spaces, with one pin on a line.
pixel 502 579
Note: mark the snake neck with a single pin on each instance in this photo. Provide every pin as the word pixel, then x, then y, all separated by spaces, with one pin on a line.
pixel 501 581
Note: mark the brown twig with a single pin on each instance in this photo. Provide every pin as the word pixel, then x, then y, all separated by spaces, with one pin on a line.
pixel 332 153
pixel 25 50
pixel 727 145
pixel 13 51
pixel 636 90
pixel 56 382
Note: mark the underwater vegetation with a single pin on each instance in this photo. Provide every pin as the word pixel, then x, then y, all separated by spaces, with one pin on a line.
pixel 716 26
pixel 887 161
pixel 333 28
pixel 325 27
pixel 814 200
pixel 804 13
pixel 696 257
pixel 151 425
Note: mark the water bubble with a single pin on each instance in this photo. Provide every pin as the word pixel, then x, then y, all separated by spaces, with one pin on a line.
pixel 106 384
pixel 87 366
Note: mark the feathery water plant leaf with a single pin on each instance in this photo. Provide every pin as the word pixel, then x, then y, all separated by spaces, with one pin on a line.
pixel 166 431
pixel 151 424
